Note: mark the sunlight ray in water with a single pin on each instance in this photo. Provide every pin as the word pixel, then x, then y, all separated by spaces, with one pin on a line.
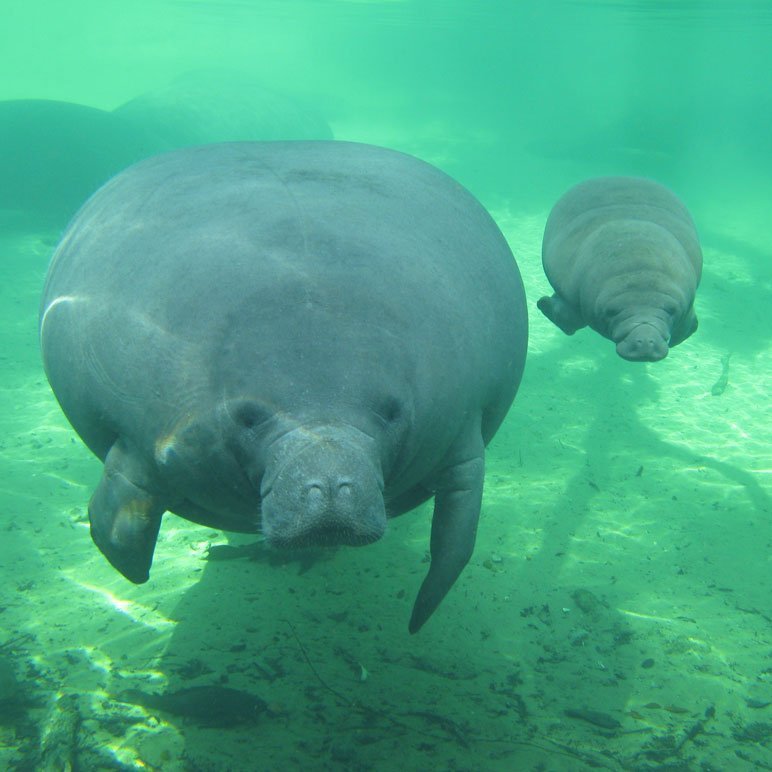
pixel 137 612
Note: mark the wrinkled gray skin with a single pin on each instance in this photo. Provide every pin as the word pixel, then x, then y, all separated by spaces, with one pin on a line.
pixel 623 257
pixel 304 338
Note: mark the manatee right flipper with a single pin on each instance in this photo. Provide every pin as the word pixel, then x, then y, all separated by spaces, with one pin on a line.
pixel 454 526
pixel 561 314
pixel 125 516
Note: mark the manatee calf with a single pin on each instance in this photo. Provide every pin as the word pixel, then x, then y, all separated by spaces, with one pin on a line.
pixel 623 257
pixel 304 338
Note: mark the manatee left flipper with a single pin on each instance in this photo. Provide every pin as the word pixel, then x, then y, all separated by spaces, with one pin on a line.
pixel 125 516
pixel 561 313
pixel 457 504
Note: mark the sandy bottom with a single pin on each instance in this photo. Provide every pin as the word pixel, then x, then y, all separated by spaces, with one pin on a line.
pixel 617 612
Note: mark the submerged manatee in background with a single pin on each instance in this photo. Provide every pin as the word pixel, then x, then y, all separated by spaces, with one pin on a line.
pixel 301 337
pixel 221 106
pixel 53 155
pixel 623 257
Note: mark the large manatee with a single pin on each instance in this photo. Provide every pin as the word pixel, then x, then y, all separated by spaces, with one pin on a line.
pixel 304 338
pixel 623 257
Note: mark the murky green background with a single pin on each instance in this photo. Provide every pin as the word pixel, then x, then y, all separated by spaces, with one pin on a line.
pixel 623 560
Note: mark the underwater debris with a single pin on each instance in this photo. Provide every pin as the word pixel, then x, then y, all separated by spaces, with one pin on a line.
pixel 667 746
pixel 677 709
pixel 594 717
pixel 587 602
pixel 59 737
pixel 192 668
pixel 756 732
pixel 15 695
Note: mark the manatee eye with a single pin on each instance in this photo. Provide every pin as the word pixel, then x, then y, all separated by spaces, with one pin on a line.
pixel 611 312
pixel 249 415
pixel 389 410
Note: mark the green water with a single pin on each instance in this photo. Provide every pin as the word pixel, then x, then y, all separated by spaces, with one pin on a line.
pixel 623 556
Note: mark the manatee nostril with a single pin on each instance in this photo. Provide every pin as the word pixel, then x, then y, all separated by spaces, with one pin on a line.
pixel 314 492
pixel 345 488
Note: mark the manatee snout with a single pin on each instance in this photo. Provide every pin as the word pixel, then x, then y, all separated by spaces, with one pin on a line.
pixel 323 489
pixel 644 343
pixel 338 509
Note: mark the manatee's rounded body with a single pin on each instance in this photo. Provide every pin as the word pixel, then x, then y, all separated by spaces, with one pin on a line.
pixel 623 257
pixel 302 337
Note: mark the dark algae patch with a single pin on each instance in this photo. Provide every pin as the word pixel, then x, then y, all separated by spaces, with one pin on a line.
pixel 757 732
